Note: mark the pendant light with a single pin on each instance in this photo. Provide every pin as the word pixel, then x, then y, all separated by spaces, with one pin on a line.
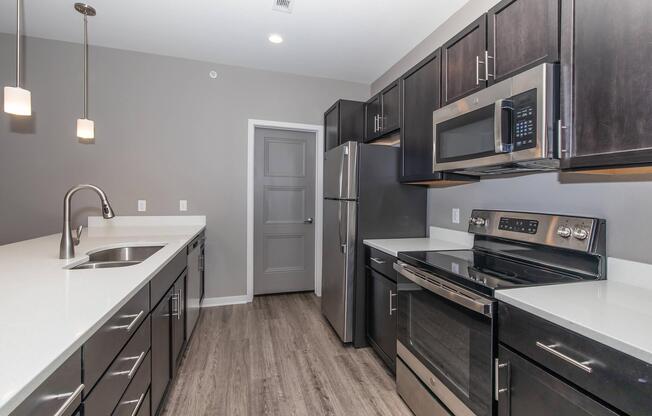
pixel 85 127
pixel 17 100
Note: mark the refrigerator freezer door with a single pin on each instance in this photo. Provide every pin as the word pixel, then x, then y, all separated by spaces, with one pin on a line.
pixel 340 172
pixel 338 268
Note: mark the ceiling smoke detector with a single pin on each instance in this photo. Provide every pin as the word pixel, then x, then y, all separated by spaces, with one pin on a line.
pixel 283 5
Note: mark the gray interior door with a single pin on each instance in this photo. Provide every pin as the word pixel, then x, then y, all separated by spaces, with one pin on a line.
pixel 284 209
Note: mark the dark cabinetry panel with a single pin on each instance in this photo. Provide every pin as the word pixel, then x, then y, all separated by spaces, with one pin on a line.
pixel 343 122
pixel 607 47
pixel 161 350
pixel 528 390
pixel 463 62
pixel 522 34
pixel 372 110
pixel 391 108
pixel 178 319
pixel 381 316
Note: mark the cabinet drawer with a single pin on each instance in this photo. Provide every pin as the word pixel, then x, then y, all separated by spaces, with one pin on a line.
pixel 164 280
pixel 106 394
pixel 381 262
pixel 617 378
pixel 136 397
pixel 62 391
pixel 104 345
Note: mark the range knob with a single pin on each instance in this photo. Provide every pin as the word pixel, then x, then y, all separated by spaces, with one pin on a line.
pixel 580 233
pixel 564 232
pixel 478 221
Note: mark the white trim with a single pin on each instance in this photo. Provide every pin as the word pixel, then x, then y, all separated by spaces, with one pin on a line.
pixel 224 300
pixel 147 221
pixel 319 173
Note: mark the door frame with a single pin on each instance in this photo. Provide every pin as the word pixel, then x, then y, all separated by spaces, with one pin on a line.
pixel 319 193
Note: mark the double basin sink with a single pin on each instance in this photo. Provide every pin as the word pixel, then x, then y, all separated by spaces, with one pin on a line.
pixel 118 257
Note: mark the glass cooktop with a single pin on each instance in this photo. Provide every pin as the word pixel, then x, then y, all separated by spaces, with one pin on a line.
pixel 486 272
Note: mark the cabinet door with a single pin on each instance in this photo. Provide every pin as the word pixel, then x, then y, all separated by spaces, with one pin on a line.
pixel 528 390
pixel 522 34
pixel 612 77
pixel 420 97
pixel 331 127
pixel 391 108
pixel 381 316
pixel 372 111
pixel 161 349
pixel 463 57
pixel 178 320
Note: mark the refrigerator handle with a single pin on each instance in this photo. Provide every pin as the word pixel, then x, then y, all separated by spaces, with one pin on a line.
pixel 339 222
pixel 344 155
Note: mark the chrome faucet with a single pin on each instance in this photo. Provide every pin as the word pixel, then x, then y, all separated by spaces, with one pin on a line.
pixel 68 243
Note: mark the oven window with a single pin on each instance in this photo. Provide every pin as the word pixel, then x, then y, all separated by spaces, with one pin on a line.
pixel 468 136
pixel 454 343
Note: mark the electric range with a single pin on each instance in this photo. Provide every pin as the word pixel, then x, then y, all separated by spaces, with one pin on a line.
pixel 447 326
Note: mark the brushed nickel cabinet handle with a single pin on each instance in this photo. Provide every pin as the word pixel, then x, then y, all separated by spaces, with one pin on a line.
pixel 498 391
pixel 138 404
pixel 133 370
pixel 377 260
pixel 391 297
pixel 135 321
pixel 551 349
pixel 63 410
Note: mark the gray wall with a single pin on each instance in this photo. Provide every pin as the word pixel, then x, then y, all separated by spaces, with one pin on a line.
pixel 165 131
pixel 623 201
pixel 458 21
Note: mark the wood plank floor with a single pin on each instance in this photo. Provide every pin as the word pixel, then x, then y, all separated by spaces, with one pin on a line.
pixel 278 356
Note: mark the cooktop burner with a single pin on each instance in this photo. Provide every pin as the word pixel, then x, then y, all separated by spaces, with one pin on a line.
pixel 515 249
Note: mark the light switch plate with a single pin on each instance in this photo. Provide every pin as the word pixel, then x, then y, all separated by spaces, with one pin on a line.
pixel 456 215
pixel 142 205
pixel 183 205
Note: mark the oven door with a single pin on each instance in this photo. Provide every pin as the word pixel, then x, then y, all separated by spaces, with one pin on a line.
pixel 445 335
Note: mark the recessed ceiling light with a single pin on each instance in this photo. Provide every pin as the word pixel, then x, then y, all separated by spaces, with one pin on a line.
pixel 275 38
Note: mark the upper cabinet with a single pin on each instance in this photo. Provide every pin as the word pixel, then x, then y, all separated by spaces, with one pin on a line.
pixel 606 85
pixel 522 34
pixel 382 112
pixel 343 122
pixel 464 62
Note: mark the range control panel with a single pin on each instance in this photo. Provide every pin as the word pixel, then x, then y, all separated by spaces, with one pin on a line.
pixel 576 233
pixel 518 225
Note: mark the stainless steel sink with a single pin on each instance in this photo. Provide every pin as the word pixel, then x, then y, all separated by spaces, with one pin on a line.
pixel 118 257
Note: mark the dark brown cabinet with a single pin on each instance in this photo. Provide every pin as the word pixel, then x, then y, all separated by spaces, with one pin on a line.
pixel 464 57
pixel 343 122
pixel 178 319
pixel 382 112
pixel 606 84
pixel 161 349
pixel 381 316
pixel 521 35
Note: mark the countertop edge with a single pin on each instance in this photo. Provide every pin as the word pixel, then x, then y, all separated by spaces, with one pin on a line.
pixel 17 398
pixel 626 348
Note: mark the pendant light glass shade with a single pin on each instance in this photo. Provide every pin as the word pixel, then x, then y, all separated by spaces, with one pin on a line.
pixel 85 129
pixel 17 100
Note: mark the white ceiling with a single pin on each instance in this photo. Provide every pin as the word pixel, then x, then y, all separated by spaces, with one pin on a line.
pixel 355 40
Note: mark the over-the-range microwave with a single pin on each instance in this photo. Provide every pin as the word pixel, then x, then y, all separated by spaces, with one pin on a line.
pixel 508 127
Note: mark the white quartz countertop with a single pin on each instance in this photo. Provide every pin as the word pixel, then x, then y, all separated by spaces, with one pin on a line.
pixel 616 312
pixel 440 239
pixel 48 312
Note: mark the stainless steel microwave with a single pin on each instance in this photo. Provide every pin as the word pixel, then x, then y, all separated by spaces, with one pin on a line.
pixel 508 127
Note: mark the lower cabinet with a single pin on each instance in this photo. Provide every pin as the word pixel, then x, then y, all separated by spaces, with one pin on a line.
pixel 381 316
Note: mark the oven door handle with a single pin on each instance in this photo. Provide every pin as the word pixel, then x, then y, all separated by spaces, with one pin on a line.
pixel 503 119
pixel 447 290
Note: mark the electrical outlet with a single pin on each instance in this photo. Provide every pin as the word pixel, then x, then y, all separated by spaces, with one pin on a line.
pixel 183 205
pixel 142 205
pixel 456 215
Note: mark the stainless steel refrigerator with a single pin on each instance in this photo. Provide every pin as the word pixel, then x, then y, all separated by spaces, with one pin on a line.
pixel 363 199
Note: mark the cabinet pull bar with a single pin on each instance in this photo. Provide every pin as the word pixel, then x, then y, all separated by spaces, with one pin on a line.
pixel 377 260
pixel 63 410
pixel 138 404
pixel 133 370
pixel 551 349
pixel 391 307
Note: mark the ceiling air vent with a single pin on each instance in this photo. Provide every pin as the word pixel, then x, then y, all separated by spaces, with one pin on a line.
pixel 283 5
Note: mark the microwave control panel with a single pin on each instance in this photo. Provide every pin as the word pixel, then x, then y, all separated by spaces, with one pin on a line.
pixel 524 121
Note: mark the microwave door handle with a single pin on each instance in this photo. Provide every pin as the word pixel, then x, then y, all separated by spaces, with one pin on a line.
pixel 503 119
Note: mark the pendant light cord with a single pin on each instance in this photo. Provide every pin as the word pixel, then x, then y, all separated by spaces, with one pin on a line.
pixel 18 43
pixel 85 67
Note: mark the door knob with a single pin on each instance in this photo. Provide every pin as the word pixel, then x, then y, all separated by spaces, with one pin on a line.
pixel 308 221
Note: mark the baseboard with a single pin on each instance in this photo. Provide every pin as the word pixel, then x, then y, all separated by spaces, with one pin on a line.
pixel 224 300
